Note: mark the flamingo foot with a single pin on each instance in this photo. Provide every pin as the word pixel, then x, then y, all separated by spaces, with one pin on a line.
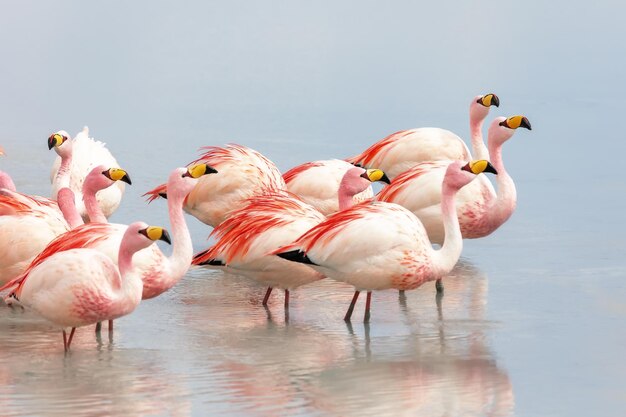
pixel 351 308
pixel 439 285
pixel 267 295
pixel 368 301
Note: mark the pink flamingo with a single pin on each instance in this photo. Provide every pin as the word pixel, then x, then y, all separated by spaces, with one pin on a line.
pixel 317 183
pixel 479 209
pixel 246 239
pixel 378 245
pixel 400 151
pixel 244 172
pixel 81 286
pixel 77 157
pixel 31 222
pixel 158 272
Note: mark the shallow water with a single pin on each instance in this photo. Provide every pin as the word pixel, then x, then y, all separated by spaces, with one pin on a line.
pixel 532 320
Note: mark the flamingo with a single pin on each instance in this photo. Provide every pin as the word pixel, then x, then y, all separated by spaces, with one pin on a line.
pixel 244 172
pixel 77 157
pixel 246 239
pixel 378 245
pixel 479 209
pixel 158 272
pixel 401 150
pixel 317 184
pixel 29 223
pixel 81 286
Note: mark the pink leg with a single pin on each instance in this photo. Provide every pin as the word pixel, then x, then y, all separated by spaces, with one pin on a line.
pixel 110 326
pixel 267 295
pixel 286 298
pixel 368 301
pixel 351 308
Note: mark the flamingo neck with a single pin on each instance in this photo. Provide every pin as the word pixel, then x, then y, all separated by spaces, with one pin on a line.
pixel 63 174
pixel 131 283
pixel 346 199
pixel 67 205
pixel 479 150
pixel 94 212
pixel 6 181
pixel 506 201
pixel 446 257
pixel 182 251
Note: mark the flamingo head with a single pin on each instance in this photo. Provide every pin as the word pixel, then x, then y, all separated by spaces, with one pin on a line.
pixel 182 180
pixel 357 180
pixel 102 177
pixel 140 235
pixel 479 107
pixel 460 173
pixel 56 140
pixel 502 128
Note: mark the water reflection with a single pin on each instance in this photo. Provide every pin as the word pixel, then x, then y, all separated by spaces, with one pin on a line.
pixel 430 362
pixel 210 344
pixel 97 379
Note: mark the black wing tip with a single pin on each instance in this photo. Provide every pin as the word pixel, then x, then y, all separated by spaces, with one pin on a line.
pixel 296 256
pixel 213 262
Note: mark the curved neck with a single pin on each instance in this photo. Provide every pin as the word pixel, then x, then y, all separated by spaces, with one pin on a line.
pixel 63 174
pixel 182 252
pixel 446 257
pixel 94 212
pixel 67 205
pixel 130 282
pixel 345 198
pixel 507 194
pixel 479 150
pixel 6 181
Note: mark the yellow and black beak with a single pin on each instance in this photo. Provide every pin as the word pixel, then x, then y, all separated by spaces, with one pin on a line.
pixel 56 140
pixel 479 166
pixel 374 175
pixel 516 121
pixel 489 100
pixel 156 233
pixel 198 170
pixel 117 174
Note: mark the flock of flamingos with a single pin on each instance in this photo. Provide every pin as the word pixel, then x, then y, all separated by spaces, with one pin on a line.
pixel 319 219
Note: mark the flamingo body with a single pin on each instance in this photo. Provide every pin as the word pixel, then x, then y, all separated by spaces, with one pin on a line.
pixel 265 223
pixel 243 172
pixel 379 245
pixel 317 183
pixel 402 150
pixel 81 286
pixel 87 153
pixel 480 209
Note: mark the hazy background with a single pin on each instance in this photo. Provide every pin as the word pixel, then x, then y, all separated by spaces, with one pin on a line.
pixel 300 81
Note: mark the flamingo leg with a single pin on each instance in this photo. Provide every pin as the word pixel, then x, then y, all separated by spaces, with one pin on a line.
pixel 110 326
pixel 98 327
pixel 286 299
pixel 267 295
pixel 69 340
pixel 351 308
pixel 368 301
pixel 439 285
pixel 64 341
